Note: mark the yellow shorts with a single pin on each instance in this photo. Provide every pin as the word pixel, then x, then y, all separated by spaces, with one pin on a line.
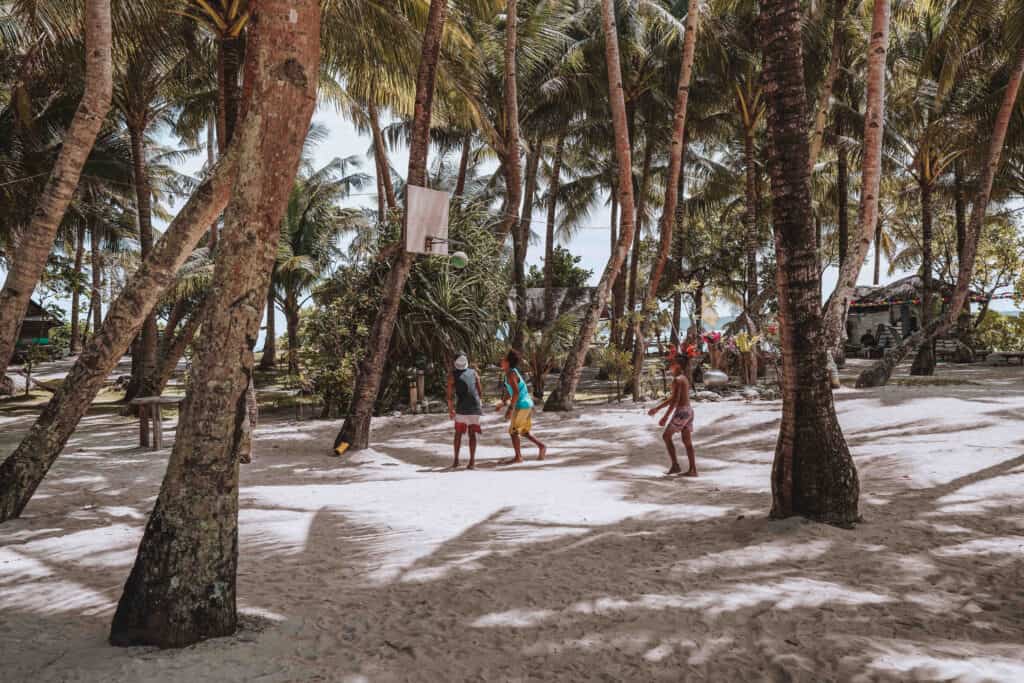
pixel 522 421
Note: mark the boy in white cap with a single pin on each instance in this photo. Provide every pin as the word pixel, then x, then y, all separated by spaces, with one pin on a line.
pixel 464 406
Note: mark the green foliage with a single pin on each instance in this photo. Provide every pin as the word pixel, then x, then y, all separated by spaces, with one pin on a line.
pixel 1000 332
pixel 567 272
pixel 617 363
pixel 443 310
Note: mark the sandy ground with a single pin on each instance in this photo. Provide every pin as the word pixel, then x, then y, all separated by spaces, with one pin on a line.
pixel 591 566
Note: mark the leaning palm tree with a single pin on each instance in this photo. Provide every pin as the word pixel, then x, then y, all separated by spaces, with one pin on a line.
pixel 35 243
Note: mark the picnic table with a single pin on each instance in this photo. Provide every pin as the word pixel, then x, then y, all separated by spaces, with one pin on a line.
pixel 1016 355
pixel 149 412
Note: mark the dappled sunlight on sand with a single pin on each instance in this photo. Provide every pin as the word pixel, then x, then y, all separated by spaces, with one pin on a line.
pixel 385 565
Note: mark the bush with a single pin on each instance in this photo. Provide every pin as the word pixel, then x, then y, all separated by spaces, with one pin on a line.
pixel 1000 332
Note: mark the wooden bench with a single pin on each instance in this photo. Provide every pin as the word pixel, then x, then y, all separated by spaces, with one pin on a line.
pixel 1014 355
pixel 946 348
pixel 149 412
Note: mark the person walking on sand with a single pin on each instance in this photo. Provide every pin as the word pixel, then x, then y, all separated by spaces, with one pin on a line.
pixel 464 387
pixel 520 408
pixel 679 415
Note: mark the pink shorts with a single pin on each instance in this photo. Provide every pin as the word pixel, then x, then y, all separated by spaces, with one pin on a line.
pixel 467 423
pixel 682 421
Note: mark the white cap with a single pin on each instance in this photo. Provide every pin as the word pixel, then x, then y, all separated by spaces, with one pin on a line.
pixel 461 363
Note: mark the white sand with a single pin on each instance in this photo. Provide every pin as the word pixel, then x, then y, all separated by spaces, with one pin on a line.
pixel 591 566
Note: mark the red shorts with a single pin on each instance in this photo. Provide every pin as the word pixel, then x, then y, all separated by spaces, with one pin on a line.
pixel 467 423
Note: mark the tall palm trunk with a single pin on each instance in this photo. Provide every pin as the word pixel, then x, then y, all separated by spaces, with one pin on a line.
pixel 96 274
pixel 563 397
pixel 871 175
pixel 877 275
pixel 356 429
pixel 521 241
pixel 22 472
pixel 674 187
pixel 960 213
pixel 510 152
pixel 634 261
pixel 380 152
pixel 825 96
pixel 467 148
pixel 924 363
pixel 229 94
pixel 842 196
pixel 269 359
pixel 182 586
pixel 750 226
pixel 291 315
pixel 549 234
pixel 813 474
pixel 76 291
pixel 879 374
pixel 35 242
pixel 143 365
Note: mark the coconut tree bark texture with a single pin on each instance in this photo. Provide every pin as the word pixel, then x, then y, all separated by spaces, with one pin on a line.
pixel 871 177
pixel 355 431
pixel 813 474
pixel 563 397
pixel 549 235
pixel 24 469
pixel 672 185
pixel 34 244
pixel 182 586
pixel 879 374
pixel 509 155
pixel 521 242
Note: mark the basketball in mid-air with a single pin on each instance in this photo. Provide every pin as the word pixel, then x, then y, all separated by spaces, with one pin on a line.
pixel 459 259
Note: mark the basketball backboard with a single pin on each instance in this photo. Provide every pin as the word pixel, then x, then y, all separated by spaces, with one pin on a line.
pixel 427 224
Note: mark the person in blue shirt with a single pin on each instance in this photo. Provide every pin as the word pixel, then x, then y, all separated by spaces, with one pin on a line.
pixel 464 405
pixel 519 411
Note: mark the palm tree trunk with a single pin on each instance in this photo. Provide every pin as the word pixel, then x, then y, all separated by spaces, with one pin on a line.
pixel 146 359
pixel 813 474
pixel 674 186
pixel 182 586
pixel 825 96
pixel 879 374
pixel 467 148
pixel 291 315
pixel 380 152
pixel 842 196
pixel 924 363
pixel 35 242
pixel 521 242
pixel 549 234
pixel 871 175
pixel 877 275
pixel 175 348
pixel 96 273
pixel 22 472
pixel 76 291
pixel 960 212
pixel 750 226
pixel 613 236
pixel 563 397
pixel 510 153
pixel 269 359
pixel 356 429
pixel 634 262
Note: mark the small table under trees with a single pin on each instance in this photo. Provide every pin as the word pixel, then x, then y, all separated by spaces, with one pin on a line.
pixel 149 411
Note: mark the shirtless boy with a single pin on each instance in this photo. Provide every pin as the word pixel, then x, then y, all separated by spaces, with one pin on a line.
pixel 679 417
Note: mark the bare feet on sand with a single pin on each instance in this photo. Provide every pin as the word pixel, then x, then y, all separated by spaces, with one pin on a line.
pixel 543 450
pixel 511 461
pixel 675 469
pixel 690 473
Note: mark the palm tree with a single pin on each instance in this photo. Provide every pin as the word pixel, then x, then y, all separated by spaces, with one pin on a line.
pixel 313 222
pixel 813 474
pixel 871 173
pixel 167 598
pixel 37 240
pixel 563 397
pixel 356 430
